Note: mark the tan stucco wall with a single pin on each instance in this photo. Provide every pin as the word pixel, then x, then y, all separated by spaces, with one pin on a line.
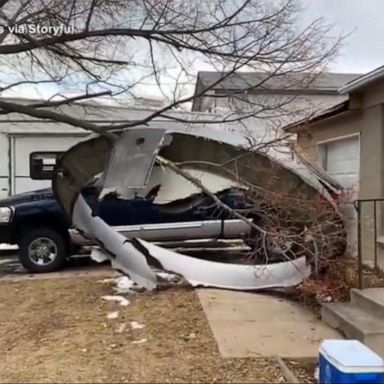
pixel 339 126
pixel 370 96
pixel 369 123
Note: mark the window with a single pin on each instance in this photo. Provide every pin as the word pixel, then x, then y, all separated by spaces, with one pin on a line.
pixel 42 164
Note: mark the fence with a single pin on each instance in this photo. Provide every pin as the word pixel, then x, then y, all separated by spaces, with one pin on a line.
pixel 359 204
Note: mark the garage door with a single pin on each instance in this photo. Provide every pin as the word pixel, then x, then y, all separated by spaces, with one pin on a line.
pixel 341 161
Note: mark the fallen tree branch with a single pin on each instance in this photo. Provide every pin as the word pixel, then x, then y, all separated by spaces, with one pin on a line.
pixel 287 373
pixel 167 163
pixel 273 235
pixel 55 116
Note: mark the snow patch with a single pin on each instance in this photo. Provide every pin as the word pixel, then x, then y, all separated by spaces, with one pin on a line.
pixel 141 341
pixel 136 325
pixel 119 299
pixel 124 285
pixel 120 328
pixel 113 315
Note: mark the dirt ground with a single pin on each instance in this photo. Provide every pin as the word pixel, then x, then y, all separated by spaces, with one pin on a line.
pixel 57 330
pixel 303 369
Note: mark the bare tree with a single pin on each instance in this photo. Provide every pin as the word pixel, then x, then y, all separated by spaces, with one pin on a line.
pixel 94 48
pixel 99 47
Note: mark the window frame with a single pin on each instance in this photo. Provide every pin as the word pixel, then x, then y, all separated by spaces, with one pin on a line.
pixel 43 175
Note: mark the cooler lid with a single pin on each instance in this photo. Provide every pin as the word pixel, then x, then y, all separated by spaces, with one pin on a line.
pixel 351 353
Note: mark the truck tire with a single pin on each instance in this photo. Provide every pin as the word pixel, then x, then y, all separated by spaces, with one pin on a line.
pixel 42 250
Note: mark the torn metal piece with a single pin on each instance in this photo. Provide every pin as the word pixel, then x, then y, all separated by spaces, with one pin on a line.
pixel 220 163
pixel 175 187
pixel 133 257
pixel 117 245
pixel 205 273
pixel 130 169
pixel 99 255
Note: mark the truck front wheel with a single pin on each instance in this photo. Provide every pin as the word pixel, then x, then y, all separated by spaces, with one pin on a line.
pixel 42 250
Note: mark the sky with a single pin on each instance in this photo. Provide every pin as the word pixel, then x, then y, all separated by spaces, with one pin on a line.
pixel 363 50
pixel 362 24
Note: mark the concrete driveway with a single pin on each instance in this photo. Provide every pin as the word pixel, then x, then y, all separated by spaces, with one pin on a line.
pixel 10 267
pixel 252 324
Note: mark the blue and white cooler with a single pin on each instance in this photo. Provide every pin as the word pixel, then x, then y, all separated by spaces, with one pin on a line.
pixel 349 362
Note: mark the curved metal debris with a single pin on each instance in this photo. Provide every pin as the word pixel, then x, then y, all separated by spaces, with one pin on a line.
pixel 117 246
pixel 133 258
pixel 140 146
pixel 206 273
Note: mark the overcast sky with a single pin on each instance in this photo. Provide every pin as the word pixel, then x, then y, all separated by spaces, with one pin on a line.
pixel 364 49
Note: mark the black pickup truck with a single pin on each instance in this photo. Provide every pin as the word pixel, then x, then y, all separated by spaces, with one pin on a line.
pixel 39 226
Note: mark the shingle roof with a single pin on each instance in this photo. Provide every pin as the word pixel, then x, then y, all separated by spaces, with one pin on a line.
pixel 327 82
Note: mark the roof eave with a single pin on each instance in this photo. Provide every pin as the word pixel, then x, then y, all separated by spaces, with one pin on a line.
pixel 255 90
pixel 326 114
pixel 362 81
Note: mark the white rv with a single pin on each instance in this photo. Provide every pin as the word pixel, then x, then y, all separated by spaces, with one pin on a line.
pixel 29 147
pixel 28 151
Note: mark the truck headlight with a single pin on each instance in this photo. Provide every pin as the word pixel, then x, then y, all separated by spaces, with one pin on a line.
pixel 6 214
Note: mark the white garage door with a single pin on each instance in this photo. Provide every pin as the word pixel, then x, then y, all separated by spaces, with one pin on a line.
pixel 341 161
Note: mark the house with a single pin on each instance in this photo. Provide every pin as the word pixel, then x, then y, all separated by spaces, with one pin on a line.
pixel 29 147
pixel 269 102
pixel 249 90
pixel 347 140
